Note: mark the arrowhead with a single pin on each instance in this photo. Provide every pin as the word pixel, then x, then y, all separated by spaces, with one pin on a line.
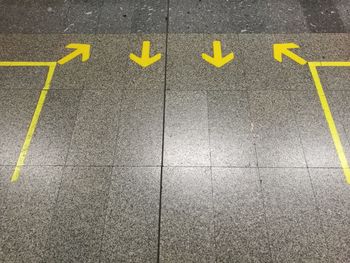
pixel 218 61
pixel 80 49
pixel 145 61
pixel 284 49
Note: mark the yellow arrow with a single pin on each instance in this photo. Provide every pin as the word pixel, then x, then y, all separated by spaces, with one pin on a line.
pixel 284 49
pixel 145 60
pixel 217 59
pixel 80 49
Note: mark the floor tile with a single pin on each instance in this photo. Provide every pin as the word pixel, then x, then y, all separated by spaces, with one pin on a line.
pixel 139 140
pixel 344 13
pixel 295 228
pixel 32 47
pixel 77 226
pixel 275 131
pixel 5 181
pixel 131 229
pixel 286 17
pixel 54 131
pixel 186 136
pixel 236 17
pixel 335 78
pixel 32 17
pixel 332 195
pixel 187 215
pixel 133 16
pixel 82 16
pixel 230 126
pixel 186 70
pixel 22 77
pixel 314 132
pixel 322 16
pixel 95 132
pixel 341 111
pixel 28 212
pixel 240 229
pixel 17 108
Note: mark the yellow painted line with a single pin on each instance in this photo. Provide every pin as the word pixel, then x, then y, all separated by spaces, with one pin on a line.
pixel 335 64
pixel 26 64
pixel 34 122
pixel 328 114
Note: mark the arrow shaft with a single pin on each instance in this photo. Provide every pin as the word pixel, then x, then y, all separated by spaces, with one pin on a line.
pixel 295 57
pixel 217 51
pixel 146 49
pixel 69 57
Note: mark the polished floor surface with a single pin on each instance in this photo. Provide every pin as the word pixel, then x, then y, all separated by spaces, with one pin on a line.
pixel 179 161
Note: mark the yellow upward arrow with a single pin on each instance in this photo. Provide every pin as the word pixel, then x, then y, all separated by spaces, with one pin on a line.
pixel 217 59
pixel 80 49
pixel 145 60
pixel 284 49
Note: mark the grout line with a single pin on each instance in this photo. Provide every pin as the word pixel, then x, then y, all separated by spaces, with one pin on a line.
pixel 268 237
pixel 317 207
pixel 212 181
pixel 182 166
pixel 163 130
pixel 117 121
pixel 55 204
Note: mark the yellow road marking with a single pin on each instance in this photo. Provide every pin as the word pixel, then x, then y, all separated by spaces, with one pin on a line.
pixel 217 59
pixel 33 123
pixel 80 49
pixel 328 114
pixel 145 59
pixel 284 49
pixel 25 64
pixel 335 64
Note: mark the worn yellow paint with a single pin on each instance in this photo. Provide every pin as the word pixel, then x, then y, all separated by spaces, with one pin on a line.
pixel 217 59
pixel 328 114
pixel 284 49
pixel 33 123
pixel 145 60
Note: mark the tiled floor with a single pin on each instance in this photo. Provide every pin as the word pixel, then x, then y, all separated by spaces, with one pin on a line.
pixel 180 161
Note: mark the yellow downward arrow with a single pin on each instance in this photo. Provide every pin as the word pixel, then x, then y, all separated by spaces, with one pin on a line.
pixel 217 59
pixel 80 49
pixel 145 60
pixel 284 49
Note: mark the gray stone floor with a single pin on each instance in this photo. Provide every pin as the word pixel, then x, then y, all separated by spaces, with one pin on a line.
pixel 180 161
pixel 190 16
pixel 244 171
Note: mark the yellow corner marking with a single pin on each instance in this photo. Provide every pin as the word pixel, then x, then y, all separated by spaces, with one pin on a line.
pixel 328 114
pixel 145 60
pixel 80 49
pixel 33 123
pixel 217 59
pixel 284 49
